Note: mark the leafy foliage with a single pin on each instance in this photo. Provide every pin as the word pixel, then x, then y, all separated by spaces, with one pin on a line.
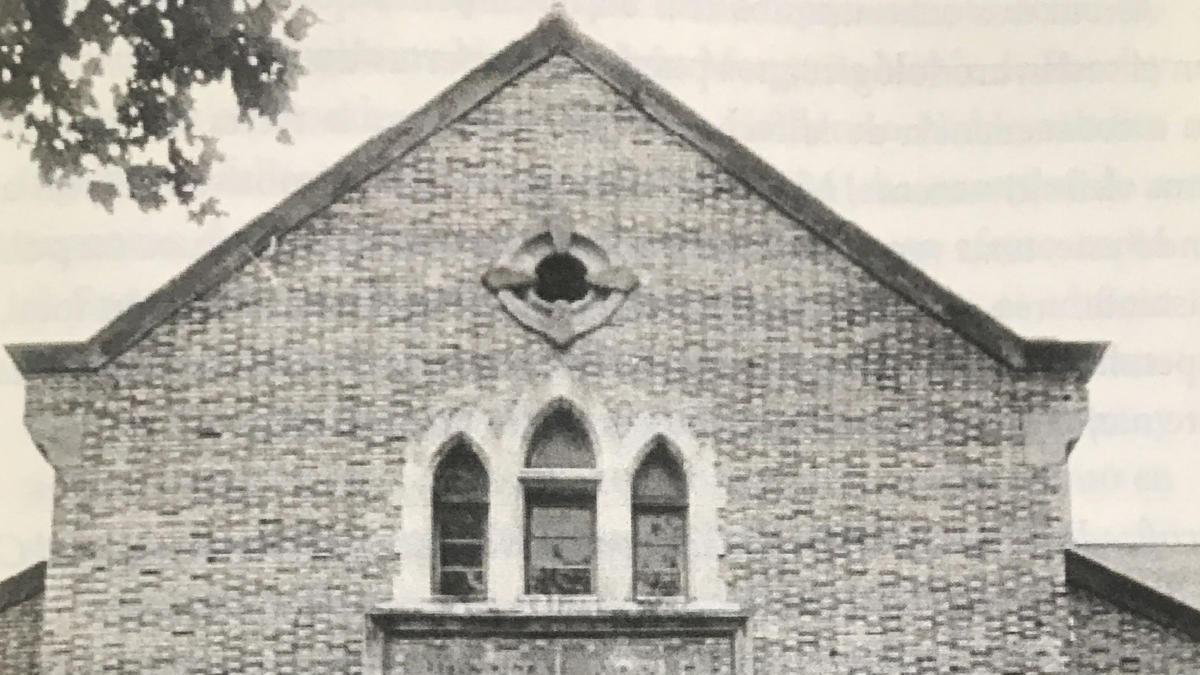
pixel 52 60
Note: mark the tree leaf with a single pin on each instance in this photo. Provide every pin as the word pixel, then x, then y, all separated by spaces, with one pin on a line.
pixel 209 208
pixel 90 26
pixel 206 41
pixel 298 25
pixel 210 152
pixel 103 193
pixel 13 11
pixel 259 21
pixel 145 185
pixel 93 67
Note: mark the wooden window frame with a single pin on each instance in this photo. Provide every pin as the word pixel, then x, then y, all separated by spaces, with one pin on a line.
pixel 438 506
pixel 438 568
pixel 555 493
pixel 659 509
pixel 661 506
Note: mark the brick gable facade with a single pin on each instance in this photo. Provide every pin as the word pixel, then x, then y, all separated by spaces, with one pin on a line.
pixel 889 496
pixel 234 483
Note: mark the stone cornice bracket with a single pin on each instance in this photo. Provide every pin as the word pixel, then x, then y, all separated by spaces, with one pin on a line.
pixel 58 437
pixel 602 286
pixel 1051 432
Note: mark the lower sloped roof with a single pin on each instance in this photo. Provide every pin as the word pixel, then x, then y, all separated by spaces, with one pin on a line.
pixel 557 35
pixel 1159 582
pixel 28 583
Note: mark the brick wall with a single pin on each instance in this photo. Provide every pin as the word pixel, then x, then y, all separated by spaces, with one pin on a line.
pixel 232 500
pixel 20 637
pixel 21 621
pixel 1108 639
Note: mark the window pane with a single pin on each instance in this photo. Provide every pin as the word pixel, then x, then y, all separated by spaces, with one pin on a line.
pixel 560 553
pixel 561 544
pixel 660 557
pixel 560 441
pixel 462 555
pixel 462 582
pixel 555 581
pixel 560 521
pixel 660 528
pixel 462 521
pixel 657 583
pixel 660 553
pixel 659 479
pixel 460 477
pixel 460 492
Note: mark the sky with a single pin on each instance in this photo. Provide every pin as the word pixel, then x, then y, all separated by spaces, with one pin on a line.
pixel 1041 158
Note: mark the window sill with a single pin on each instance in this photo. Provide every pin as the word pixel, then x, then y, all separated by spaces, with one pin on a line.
pixel 662 601
pixel 458 599
pixel 571 618
pixel 570 480
pixel 549 605
pixel 578 599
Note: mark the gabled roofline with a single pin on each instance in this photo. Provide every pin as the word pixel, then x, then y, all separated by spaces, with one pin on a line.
pixel 555 34
pixel 1130 594
pixel 26 584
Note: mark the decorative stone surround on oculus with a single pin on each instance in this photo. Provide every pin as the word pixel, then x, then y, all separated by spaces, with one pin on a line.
pixel 518 280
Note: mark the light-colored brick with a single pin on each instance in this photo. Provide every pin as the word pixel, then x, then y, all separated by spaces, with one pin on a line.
pixel 233 506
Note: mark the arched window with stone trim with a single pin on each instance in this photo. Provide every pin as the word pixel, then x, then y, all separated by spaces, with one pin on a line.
pixel 560 441
pixel 660 508
pixel 560 506
pixel 460 517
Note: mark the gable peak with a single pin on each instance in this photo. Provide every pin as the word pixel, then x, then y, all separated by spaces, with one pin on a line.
pixel 556 28
pixel 557 12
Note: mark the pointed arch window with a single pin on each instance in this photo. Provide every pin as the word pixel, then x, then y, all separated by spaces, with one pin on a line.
pixel 460 514
pixel 560 441
pixel 560 508
pixel 659 525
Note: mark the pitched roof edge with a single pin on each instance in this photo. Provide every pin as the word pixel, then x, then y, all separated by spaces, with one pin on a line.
pixel 55 357
pixel 28 583
pixel 557 33
pixel 1063 356
pixel 876 258
pixel 1130 594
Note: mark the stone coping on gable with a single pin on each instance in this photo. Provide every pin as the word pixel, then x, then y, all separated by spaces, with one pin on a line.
pixel 557 35
pixel 28 583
